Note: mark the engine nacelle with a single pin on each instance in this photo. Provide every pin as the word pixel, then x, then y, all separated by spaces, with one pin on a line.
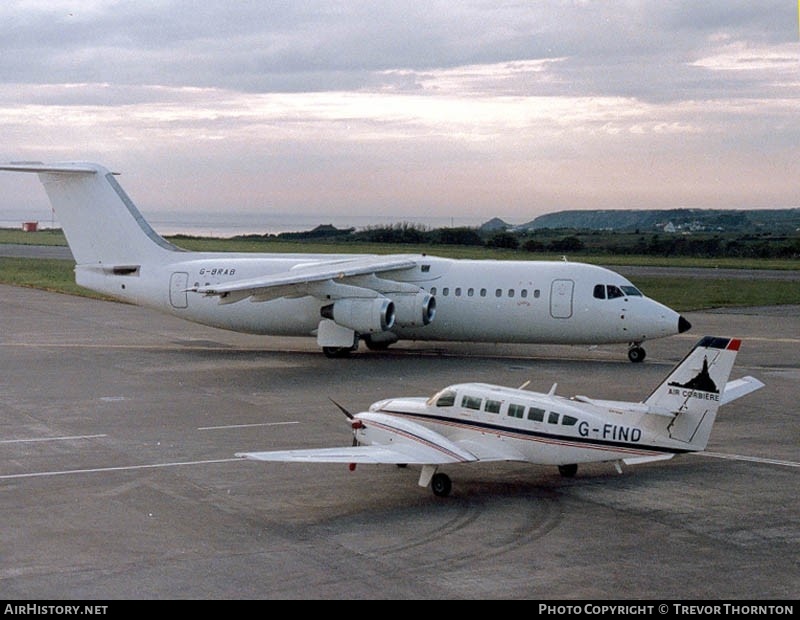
pixel 365 316
pixel 414 309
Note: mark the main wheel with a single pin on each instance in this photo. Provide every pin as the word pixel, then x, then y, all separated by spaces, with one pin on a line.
pixel 636 354
pixel 568 471
pixel 441 485
pixel 337 352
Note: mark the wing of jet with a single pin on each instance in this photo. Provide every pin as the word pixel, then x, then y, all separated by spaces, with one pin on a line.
pixel 307 273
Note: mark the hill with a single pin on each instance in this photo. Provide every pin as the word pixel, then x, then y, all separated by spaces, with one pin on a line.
pixel 669 220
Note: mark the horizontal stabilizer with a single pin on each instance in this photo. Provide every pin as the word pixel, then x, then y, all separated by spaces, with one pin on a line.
pixel 738 388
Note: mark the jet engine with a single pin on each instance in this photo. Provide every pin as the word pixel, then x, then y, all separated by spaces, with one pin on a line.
pixel 363 315
pixel 414 309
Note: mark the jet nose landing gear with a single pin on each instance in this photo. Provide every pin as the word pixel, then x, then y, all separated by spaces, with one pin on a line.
pixel 636 353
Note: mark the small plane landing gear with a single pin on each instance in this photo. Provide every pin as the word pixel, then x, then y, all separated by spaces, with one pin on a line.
pixel 441 485
pixel 636 353
pixel 568 471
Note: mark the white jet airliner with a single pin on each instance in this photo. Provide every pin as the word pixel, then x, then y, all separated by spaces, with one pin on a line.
pixel 471 422
pixel 342 299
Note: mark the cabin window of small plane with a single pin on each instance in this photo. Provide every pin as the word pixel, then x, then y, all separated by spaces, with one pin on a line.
pixel 599 291
pixel 516 411
pixel 498 293
pixel 552 418
pixel 458 292
pixel 483 292
pixel 568 420
pixel 632 291
pixel 471 402
pixel 614 292
pixel 492 406
pixel 536 414
pixel 446 399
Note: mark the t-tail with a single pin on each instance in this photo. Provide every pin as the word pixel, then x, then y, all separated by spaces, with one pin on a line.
pixel 695 389
pixel 103 227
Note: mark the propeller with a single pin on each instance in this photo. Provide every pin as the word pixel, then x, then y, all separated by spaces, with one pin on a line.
pixel 342 409
pixel 355 424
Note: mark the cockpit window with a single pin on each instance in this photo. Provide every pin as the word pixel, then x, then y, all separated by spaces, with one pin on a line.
pixel 445 398
pixel 599 291
pixel 614 292
pixel 632 291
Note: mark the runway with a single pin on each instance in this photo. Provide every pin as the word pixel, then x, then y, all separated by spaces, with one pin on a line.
pixel 118 480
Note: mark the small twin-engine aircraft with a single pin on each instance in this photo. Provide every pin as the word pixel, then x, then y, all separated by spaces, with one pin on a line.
pixel 472 422
pixel 346 298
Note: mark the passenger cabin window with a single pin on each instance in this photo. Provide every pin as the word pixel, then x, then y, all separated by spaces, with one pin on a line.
pixel 492 406
pixel 552 418
pixel 471 402
pixel 536 414
pixel 433 290
pixel 516 411
pixel 483 292
pixel 498 293
pixel 536 293
pixel 568 420
pixel 458 292
pixel 523 293
pixel 511 292
pixel 446 399
pixel 470 292
pixel 445 291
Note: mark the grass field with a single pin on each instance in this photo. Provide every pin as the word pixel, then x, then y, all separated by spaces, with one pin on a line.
pixel 678 293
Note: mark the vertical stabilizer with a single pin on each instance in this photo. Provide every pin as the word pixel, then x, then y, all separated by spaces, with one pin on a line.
pixel 100 222
pixel 692 392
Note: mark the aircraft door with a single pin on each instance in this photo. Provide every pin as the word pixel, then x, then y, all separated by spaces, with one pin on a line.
pixel 561 298
pixel 178 284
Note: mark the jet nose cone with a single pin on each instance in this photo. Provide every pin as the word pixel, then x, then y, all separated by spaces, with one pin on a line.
pixel 683 325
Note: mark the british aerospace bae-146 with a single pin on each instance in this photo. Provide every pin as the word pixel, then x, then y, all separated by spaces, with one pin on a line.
pixel 473 422
pixel 342 299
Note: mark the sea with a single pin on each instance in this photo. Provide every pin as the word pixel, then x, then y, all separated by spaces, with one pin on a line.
pixel 231 224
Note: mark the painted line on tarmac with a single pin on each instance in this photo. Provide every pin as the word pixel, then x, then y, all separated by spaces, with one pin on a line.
pixel 222 428
pixel 67 472
pixel 64 438
pixel 752 459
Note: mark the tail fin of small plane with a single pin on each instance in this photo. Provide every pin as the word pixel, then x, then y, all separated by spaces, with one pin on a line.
pixel 694 390
pixel 100 222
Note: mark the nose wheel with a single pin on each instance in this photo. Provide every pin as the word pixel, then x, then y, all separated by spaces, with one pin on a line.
pixel 636 353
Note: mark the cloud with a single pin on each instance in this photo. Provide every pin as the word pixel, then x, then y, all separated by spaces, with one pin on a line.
pixel 502 108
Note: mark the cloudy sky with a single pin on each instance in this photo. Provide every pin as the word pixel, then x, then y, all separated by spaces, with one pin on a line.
pixel 425 108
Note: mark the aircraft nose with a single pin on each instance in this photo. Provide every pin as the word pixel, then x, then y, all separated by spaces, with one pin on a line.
pixel 683 325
